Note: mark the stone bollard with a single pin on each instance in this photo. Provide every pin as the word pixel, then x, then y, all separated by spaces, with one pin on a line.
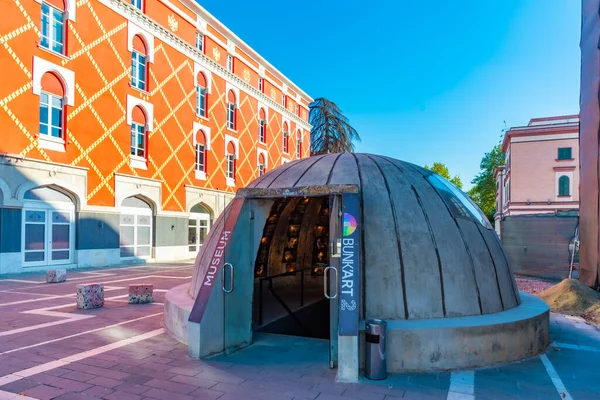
pixel 141 293
pixel 56 275
pixel 90 296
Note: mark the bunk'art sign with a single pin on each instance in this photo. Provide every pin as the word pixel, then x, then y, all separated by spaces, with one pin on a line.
pixel 349 282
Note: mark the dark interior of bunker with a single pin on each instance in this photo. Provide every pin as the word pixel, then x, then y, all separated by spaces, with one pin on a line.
pixel 289 269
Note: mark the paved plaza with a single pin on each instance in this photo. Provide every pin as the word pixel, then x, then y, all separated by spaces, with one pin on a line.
pixel 49 349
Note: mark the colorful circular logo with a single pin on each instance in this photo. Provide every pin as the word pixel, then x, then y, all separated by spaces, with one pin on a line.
pixel 349 224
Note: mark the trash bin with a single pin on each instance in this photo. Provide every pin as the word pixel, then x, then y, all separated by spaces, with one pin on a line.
pixel 375 367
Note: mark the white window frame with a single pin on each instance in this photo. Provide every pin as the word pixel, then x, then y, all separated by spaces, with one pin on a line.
pixel 48 207
pixel 200 172
pixel 199 42
pixel 230 173
pixel 197 217
pixel 231 107
pixel 48 123
pixel 229 63
pixel 139 4
pixel 201 112
pixel 134 149
pixel 285 147
pixel 262 131
pixel 135 211
pixel 298 145
pixel 139 61
pixel 261 85
pixel 283 100
pixel 51 19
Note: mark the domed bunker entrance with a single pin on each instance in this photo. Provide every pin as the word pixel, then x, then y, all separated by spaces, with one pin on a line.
pixel 361 236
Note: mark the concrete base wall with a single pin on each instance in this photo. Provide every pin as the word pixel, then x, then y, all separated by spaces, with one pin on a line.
pixel 467 342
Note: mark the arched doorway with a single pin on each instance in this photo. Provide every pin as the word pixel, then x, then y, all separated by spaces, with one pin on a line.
pixel 48 236
pixel 199 224
pixel 135 229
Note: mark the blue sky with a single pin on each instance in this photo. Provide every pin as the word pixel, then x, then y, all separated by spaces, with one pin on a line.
pixel 423 81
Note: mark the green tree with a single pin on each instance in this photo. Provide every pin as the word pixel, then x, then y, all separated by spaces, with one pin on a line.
pixel 331 131
pixel 442 170
pixel 483 191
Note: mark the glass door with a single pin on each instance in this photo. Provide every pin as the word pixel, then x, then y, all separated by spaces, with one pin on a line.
pixel 331 277
pixel 48 237
pixel 197 230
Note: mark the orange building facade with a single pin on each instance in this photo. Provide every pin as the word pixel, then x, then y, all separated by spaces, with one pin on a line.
pixel 126 128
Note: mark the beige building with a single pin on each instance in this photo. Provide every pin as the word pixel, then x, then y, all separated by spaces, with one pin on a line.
pixel 537 194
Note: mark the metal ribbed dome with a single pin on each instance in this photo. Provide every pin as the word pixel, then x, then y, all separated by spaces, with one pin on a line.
pixel 428 251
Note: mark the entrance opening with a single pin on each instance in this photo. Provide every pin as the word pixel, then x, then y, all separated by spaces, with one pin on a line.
pixel 289 268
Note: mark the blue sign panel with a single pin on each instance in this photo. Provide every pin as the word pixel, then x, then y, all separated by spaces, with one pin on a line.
pixel 350 266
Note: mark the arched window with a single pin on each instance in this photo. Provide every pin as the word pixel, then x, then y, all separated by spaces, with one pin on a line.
pixel 200 152
pixel 563 186
pixel 286 134
pixel 230 162
pixel 139 64
pixel 135 228
pixel 53 25
pixel 52 106
pixel 231 110
pixel 261 165
pixel 48 227
pixel 138 132
pixel 299 145
pixel 201 95
pixel 262 126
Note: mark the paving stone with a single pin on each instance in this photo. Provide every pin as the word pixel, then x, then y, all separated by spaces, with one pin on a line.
pixel 118 395
pixel 175 387
pixel 166 395
pixel 363 395
pixel 19 386
pixel 44 392
pixel 71 385
pixel 207 394
pixel 194 381
pixel 132 388
pixel 105 382
pixel 98 391
pixel 72 396
pixel 184 371
pixel 78 376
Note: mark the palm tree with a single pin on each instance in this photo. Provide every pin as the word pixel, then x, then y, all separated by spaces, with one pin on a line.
pixel 331 132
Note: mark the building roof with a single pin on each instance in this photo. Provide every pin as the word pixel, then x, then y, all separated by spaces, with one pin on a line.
pixel 543 126
pixel 428 251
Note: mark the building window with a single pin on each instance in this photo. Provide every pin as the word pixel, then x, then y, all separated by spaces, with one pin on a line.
pixel 261 165
pixel 139 67
pixel 564 153
pixel 201 92
pixel 200 158
pixel 284 100
pixel 286 135
pixel 298 147
pixel 51 107
pixel 229 63
pixel 261 85
pixel 135 228
pixel 231 110
pixel 230 166
pixel 53 28
pixel 200 42
pixel 262 126
pixel 138 140
pixel 137 4
pixel 563 186
pixel 138 133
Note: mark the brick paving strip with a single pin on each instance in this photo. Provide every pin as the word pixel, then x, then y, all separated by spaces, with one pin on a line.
pixel 15 376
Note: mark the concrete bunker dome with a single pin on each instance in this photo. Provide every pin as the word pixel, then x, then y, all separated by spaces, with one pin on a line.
pixel 427 249
pixel 427 262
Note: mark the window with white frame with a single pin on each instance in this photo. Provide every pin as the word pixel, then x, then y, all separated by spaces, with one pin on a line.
pixel 231 165
pixel 201 101
pixel 298 147
pixel 138 70
pixel 200 158
pixel 138 139
pixel 261 85
pixel 200 42
pixel 284 100
pixel 230 62
pixel 137 4
pixel 53 28
pixel 261 168
pixel 231 109
pixel 51 115
pixel 262 126
pixel 286 135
